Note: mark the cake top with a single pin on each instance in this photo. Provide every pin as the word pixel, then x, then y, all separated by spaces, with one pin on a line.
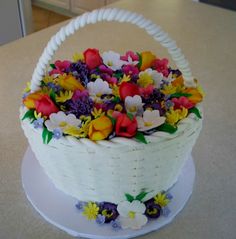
pixel 101 96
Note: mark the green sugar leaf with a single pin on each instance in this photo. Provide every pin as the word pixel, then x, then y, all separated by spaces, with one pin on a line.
pixel 46 135
pixel 141 196
pixel 29 115
pixel 113 120
pixel 53 66
pixel 140 137
pixel 178 95
pixel 130 116
pixel 195 111
pixel 116 99
pixel 129 197
pixel 53 95
pixel 140 60
pixel 167 128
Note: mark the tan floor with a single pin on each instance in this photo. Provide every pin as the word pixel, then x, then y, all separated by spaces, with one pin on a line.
pixel 43 18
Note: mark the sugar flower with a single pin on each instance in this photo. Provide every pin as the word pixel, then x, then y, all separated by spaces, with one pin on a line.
pixel 98 88
pixel 112 60
pixel 173 116
pixel 132 214
pixel 131 57
pixel 115 225
pixel 38 123
pixel 60 67
pixel 153 210
pixel 100 219
pixel 149 77
pixel 133 104
pixel 182 102
pixel 130 70
pixel 161 65
pixel 91 211
pixel 69 82
pixel 109 211
pixel 64 96
pixel 57 133
pixel 150 120
pixel 161 199
pixel 61 120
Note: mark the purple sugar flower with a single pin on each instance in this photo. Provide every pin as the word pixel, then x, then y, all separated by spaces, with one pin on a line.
pixel 153 210
pixel 100 219
pixel 79 107
pixel 80 71
pixel 80 95
pixel 165 211
pixel 116 226
pixel 109 210
pixel 80 205
pixel 53 86
pixel 57 133
pixel 38 123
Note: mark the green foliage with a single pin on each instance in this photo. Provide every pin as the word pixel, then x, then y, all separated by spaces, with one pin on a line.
pixel 129 197
pixel 29 115
pixel 46 135
pixel 140 137
pixel 178 95
pixel 141 196
pixel 140 60
pixel 195 111
pixel 167 128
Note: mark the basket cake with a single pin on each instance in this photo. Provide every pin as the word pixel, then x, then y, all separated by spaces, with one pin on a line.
pixel 113 168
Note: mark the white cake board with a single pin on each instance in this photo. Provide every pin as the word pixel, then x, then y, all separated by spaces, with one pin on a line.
pixel 59 209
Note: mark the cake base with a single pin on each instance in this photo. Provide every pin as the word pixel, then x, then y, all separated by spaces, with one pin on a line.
pixel 59 209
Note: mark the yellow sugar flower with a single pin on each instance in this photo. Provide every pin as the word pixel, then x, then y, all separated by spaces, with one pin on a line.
pixel 78 57
pixel 27 89
pixel 172 116
pixel 169 89
pixel 115 90
pixel 97 113
pixel 64 96
pixel 72 130
pixel 145 80
pixel 48 79
pixel 161 199
pixel 125 79
pixel 183 112
pixel 91 211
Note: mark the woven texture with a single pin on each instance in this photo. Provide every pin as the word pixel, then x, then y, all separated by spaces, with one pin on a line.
pixel 105 173
pixel 106 170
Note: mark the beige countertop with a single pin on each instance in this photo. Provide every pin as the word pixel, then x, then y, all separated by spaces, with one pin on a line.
pixel 207 36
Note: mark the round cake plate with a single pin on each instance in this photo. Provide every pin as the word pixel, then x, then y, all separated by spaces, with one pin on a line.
pixel 59 209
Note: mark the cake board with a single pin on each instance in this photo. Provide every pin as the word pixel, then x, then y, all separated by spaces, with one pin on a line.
pixel 59 208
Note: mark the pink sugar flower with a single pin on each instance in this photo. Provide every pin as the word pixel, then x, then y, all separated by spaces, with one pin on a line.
pixel 161 65
pixel 105 69
pixel 130 70
pixel 111 80
pixel 182 102
pixel 147 91
pixel 130 55
pixel 79 94
pixel 60 67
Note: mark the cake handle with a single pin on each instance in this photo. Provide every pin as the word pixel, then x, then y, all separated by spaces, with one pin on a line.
pixel 109 14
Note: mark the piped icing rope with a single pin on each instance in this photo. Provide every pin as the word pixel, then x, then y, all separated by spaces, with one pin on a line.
pixel 110 14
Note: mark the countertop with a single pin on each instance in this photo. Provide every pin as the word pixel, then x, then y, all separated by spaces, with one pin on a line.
pixel 207 36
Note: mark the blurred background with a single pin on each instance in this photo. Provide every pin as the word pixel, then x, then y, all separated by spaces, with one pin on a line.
pixel 19 18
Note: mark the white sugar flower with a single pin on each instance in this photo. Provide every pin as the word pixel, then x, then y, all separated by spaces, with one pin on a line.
pixel 131 214
pixel 131 62
pixel 133 104
pixel 150 120
pixel 61 120
pixel 112 60
pixel 98 88
pixel 150 76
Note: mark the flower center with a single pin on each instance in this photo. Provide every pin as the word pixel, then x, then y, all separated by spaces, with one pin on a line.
pixel 133 109
pixel 107 213
pixel 110 63
pixel 63 124
pixel 152 211
pixel 131 214
pixel 147 124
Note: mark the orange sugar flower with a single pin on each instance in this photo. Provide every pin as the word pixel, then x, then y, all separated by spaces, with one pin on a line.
pixel 195 97
pixel 100 128
pixel 29 101
pixel 147 59
pixel 69 82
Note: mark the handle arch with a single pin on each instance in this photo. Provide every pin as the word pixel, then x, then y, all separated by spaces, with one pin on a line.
pixel 110 14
